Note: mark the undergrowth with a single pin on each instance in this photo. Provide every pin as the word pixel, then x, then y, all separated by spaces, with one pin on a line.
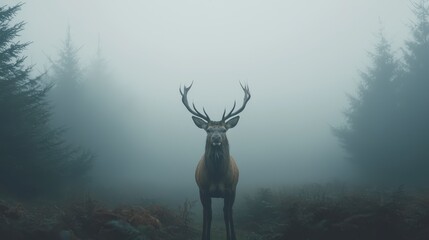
pixel 334 211
pixel 311 212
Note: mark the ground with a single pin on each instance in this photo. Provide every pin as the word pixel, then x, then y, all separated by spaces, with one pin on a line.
pixel 311 212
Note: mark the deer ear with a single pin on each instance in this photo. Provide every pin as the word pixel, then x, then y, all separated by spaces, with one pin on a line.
pixel 232 122
pixel 199 122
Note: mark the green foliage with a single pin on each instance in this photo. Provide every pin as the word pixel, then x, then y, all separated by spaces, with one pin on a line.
pixel 34 159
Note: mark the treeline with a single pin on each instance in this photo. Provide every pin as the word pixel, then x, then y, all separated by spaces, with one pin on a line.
pixel 387 130
pixel 34 156
pixel 52 126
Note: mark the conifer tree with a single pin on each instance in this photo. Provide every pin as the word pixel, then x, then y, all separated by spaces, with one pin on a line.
pixel 66 95
pixel 34 159
pixel 387 131
pixel 368 135
pixel 413 132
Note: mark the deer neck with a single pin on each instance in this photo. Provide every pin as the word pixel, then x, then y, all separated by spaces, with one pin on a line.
pixel 217 159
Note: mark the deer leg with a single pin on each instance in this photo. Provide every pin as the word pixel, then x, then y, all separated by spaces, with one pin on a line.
pixel 230 216
pixel 227 214
pixel 206 201
pixel 226 217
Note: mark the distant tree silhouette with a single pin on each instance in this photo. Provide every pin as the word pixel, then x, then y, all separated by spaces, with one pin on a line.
pixel 368 136
pixel 34 158
pixel 387 128
pixel 104 123
pixel 99 112
pixel 66 95
pixel 414 99
pixel 87 102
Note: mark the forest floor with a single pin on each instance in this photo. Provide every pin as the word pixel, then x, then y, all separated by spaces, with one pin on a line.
pixel 312 212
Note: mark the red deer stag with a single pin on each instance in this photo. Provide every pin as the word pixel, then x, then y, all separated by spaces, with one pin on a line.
pixel 217 173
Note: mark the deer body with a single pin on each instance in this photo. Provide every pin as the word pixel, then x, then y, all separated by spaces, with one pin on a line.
pixel 217 173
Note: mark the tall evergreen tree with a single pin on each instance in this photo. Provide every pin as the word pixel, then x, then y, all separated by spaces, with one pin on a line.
pixel 388 130
pixel 66 95
pixel 105 129
pixel 97 73
pixel 96 112
pixel 414 98
pixel 34 159
pixel 368 135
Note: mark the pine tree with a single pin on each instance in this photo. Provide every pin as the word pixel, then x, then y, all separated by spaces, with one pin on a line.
pixel 104 129
pixel 66 95
pixel 414 99
pixel 97 74
pixel 97 100
pixel 34 159
pixel 367 137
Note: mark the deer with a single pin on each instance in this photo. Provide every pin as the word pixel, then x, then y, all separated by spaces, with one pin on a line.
pixel 217 172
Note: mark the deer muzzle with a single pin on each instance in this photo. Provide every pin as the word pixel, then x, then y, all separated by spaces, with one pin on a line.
pixel 216 140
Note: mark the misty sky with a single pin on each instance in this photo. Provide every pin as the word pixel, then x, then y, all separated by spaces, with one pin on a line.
pixel 299 58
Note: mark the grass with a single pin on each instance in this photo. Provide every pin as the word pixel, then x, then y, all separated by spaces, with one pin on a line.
pixel 311 212
pixel 337 212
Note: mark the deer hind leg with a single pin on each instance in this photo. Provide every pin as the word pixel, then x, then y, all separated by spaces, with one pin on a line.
pixel 227 211
pixel 206 201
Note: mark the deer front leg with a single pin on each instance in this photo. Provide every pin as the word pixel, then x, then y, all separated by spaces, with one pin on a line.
pixel 227 211
pixel 206 201
pixel 230 217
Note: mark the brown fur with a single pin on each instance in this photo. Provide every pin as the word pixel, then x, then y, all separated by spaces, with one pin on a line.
pixel 228 181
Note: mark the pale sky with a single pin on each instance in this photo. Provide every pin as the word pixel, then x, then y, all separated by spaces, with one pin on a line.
pixel 299 58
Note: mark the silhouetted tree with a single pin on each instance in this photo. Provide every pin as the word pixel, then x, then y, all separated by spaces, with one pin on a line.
pixel 369 136
pixel 34 159
pixel 387 131
pixel 104 127
pixel 414 100
pixel 66 95
pixel 87 104
pixel 97 73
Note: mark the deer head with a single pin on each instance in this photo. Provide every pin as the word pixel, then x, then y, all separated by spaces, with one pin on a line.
pixel 216 130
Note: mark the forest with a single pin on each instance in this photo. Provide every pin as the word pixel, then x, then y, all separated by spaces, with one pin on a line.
pixel 80 159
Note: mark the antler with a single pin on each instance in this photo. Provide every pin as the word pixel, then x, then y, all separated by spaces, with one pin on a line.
pixel 246 99
pixel 194 111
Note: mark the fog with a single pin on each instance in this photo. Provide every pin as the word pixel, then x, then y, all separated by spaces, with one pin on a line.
pixel 299 58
